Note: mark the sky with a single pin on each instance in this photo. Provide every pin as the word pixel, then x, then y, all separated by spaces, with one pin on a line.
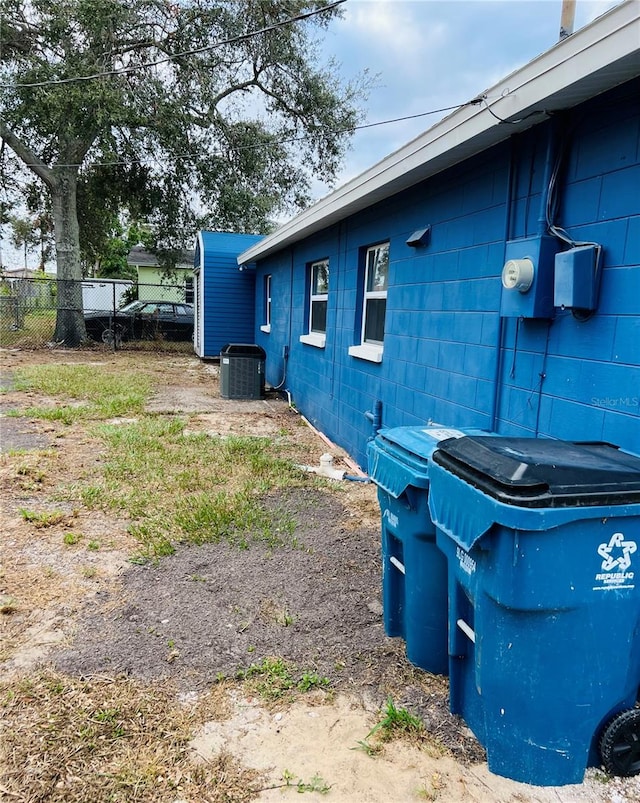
pixel 426 55
pixel 432 54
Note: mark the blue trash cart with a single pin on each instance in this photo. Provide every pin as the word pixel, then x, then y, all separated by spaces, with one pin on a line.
pixel 414 570
pixel 542 540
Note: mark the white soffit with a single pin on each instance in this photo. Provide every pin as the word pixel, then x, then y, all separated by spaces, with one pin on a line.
pixel 596 58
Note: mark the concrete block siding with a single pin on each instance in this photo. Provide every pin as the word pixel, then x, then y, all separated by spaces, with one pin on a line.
pixel 448 356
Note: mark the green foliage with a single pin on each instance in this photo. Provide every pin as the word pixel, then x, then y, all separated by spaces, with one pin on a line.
pixel 41 519
pixel 274 677
pixel 104 393
pixel 168 483
pixel 311 680
pixel 240 129
pixel 316 784
pixel 396 722
pixel 271 679
pixel 71 538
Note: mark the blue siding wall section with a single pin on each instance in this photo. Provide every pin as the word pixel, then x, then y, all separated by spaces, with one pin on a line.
pixel 448 355
pixel 229 294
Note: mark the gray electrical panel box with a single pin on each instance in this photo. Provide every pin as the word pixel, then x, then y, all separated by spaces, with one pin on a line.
pixel 242 371
pixel 576 278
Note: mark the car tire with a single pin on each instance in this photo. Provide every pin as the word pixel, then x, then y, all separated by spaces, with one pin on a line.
pixel 113 335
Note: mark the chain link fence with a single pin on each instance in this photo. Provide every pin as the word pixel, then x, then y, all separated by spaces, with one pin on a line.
pixel 118 314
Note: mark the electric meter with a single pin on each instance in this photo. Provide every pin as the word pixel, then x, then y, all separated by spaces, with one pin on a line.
pixel 517 274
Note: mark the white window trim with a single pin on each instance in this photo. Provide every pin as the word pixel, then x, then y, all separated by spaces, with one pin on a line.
pixel 373 294
pixel 367 351
pixel 317 339
pixel 266 327
pixel 316 297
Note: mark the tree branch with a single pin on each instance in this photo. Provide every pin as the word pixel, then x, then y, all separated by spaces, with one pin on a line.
pixel 25 153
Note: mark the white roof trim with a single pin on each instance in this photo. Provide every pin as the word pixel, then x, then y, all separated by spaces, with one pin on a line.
pixel 596 58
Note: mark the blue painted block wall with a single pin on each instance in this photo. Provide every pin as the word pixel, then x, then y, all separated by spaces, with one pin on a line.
pixel 448 355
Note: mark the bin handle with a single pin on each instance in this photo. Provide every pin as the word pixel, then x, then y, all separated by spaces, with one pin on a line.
pixel 466 629
pixel 395 562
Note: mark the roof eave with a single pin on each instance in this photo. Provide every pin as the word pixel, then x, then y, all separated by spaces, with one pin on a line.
pixel 596 58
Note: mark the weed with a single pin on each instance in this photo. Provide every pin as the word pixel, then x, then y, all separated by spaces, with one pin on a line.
pixel 168 484
pixel 272 611
pixel 311 680
pixel 41 519
pixel 65 414
pixel 436 785
pixel 107 393
pixel 94 546
pixel 316 784
pixel 154 544
pixel 226 516
pixel 71 538
pixel 89 572
pixel 396 722
pixel 271 679
pixel 35 475
pixel 370 749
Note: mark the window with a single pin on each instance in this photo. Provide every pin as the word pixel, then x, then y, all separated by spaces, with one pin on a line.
pixel 266 327
pixel 374 304
pixel 318 296
pixel 188 289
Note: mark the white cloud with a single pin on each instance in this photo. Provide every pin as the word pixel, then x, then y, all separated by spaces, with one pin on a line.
pixel 392 34
pixel 434 54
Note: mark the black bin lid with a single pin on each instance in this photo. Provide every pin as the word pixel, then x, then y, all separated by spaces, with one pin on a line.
pixel 534 472
pixel 243 350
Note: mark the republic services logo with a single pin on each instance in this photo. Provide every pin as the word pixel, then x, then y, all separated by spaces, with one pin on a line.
pixel 617 553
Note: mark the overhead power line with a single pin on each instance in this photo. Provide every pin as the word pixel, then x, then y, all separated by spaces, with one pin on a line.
pixel 166 59
pixel 151 160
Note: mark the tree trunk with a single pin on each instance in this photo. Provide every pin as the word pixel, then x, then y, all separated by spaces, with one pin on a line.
pixel 70 329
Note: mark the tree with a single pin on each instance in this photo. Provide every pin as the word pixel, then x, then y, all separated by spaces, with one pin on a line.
pixel 166 107
pixel 111 259
pixel 23 236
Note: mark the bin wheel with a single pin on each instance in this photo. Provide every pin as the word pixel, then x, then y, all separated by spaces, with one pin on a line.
pixel 620 744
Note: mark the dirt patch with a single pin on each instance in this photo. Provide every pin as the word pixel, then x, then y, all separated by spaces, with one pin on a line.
pixel 215 611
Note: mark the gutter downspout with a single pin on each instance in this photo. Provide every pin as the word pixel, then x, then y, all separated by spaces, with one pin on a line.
pixel 546 178
pixel 495 402
pixel 542 229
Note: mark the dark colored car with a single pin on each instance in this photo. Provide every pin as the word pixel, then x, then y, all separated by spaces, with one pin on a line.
pixel 142 320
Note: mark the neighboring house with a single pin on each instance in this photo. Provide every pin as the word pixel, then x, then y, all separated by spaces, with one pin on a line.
pixel 392 289
pixel 9 273
pixel 224 295
pixel 154 285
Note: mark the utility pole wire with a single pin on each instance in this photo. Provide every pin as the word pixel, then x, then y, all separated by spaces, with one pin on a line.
pixel 240 148
pixel 196 51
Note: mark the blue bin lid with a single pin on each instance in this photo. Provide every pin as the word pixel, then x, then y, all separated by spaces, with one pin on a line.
pixel 399 456
pixel 535 472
